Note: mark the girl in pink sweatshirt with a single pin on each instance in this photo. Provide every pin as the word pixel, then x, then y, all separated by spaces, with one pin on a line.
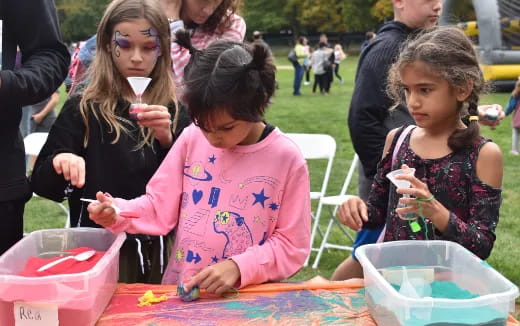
pixel 234 188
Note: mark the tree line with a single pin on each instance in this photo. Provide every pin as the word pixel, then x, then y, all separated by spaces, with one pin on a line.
pixel 79 18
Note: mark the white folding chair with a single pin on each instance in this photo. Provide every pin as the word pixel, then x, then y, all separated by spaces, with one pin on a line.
pixel 316 147
pixel 333 203
pixel 33 144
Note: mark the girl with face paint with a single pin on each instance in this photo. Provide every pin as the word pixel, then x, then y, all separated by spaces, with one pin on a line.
pixel 96 144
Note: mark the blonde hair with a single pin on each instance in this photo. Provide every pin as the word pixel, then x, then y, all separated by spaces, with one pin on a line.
pixel 339 48
pixel 106 84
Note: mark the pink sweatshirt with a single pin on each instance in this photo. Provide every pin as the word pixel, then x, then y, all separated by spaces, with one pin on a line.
pixel 248 203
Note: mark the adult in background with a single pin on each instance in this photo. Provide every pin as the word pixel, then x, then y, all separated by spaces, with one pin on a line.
pixel 44 67
pixel 301 54
pixel 258 38
pixel 369 36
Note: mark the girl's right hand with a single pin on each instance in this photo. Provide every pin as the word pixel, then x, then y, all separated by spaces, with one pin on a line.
pixel 72 167
pixel 353 212
pixel 103 213
pixel 172 8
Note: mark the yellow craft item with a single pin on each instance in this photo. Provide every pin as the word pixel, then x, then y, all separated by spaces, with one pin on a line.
pixel 148 298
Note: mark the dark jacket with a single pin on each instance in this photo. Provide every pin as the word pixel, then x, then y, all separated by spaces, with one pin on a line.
pixel 33 26
pixel 119 169
pixel 369 120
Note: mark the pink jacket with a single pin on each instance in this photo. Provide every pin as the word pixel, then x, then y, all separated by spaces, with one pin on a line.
pixel 248 203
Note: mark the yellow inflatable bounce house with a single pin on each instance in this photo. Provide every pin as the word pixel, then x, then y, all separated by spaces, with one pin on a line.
pixel 498 31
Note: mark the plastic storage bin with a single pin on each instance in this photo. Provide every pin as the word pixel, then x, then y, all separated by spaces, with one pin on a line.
pixel 440 261
pixel 81 298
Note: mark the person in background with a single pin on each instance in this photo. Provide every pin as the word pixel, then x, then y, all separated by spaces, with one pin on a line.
pixel 43 114
pixel 455 193
pixel 207 21
pixel 301 54
pixel 339 56
pixel 234 188
pixel 307 64
pixel 512 108
pixel 81 60
pixel 97 142
pixel 369 36
pixel 320 60
pixel 258 38
pixel 33 26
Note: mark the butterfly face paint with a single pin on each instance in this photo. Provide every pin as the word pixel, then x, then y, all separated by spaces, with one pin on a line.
pixel 156 43
pixel 135 48
pixel 120 41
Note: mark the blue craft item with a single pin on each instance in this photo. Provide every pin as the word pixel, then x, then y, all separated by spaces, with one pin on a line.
pixel 192 295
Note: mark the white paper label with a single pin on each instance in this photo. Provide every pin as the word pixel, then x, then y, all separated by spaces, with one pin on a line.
pixel 35 314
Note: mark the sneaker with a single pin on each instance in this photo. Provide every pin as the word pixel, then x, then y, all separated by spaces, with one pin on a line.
pixel 306 83
pixel 514 152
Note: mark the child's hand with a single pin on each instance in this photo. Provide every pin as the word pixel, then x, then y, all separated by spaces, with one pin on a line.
pixel 157 117
pixel 72 167
pixel 103 213
pixel 484 120
pixel 424 204
pixel 353 213
pixel 218 278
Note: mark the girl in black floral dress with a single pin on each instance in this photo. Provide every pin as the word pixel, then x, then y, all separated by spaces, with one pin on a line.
pixel 456 190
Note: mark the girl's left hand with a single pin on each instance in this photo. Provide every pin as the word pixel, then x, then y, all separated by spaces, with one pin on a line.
pixel 157 117
pixel 431 209
pixel 218 278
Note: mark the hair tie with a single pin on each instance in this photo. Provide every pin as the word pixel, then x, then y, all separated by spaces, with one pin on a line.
pixel 473 118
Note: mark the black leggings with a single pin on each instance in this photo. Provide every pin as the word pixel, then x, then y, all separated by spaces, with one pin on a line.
pixel 336 72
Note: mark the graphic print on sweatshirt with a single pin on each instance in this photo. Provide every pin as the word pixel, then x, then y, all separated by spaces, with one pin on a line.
pixel 237 233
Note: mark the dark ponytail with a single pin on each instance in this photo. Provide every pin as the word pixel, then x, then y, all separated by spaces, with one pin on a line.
pixel 183 38
pixel 464 138
pixel 233 76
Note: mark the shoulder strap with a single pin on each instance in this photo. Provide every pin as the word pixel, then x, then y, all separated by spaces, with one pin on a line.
pixel 399 142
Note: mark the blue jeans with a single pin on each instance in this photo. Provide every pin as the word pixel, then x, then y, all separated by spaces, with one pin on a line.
pixel 298 76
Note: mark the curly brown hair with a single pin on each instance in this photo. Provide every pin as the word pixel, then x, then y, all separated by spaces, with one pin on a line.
pixel 221 17
pixel 450 54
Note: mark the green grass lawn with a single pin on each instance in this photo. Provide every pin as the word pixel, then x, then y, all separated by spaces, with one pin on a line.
pixel 328 114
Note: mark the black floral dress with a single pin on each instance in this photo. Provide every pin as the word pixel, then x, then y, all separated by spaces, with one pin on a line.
pixel 473 205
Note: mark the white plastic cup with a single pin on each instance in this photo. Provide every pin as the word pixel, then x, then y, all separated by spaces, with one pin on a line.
pixel 400 183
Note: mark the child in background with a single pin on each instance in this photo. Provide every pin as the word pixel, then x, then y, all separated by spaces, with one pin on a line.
pixel 458 173
pixel 95 144
pixel 339 56
pixel 207 22
pixel 512 107
pixel 234 188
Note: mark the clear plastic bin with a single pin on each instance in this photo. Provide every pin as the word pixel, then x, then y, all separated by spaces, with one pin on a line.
pixel 81 298
pixel 441 261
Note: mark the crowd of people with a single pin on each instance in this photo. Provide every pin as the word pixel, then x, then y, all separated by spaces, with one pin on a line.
pixel 203 169
pixel 324 61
